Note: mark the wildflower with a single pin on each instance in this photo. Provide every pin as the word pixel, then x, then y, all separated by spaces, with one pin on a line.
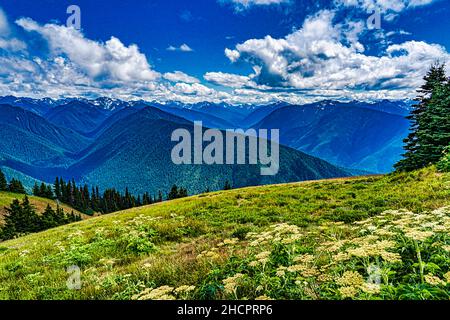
pixel 231 283
pixel 434 281
pixel 281 271
pixel 384 233
pixel 263 255
pixel 293 238
pixel 24 253
pixel 350 278
pixel 311 272
pixel 446 248
pixel 305 258
pixel 391 257
pixel 439 228
pixel 359 252
pixel 297 268
pixel 325 278
pixel 418 235
pixel 335 245
pixel 341 256
pixel 229 242
pixel 184 289
pixel 348 292
pixel 371 288
pixel 108 262
pixel 447 277
pixel 161 293
pixel 264 297
pixel 77 234
pixel 253 264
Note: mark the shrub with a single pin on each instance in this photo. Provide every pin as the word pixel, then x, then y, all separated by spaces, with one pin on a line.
pixel 444 164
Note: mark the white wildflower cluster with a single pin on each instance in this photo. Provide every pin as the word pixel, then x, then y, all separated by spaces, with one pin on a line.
pixel 283 233
pixel 231 283
pixel 164 293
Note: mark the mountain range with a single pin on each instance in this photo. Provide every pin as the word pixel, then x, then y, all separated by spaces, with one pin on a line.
pixel 114 143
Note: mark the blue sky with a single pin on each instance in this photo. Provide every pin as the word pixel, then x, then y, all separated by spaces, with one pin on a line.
pixel 255 51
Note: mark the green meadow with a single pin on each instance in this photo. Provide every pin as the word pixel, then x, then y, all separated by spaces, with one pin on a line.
pixel 374 237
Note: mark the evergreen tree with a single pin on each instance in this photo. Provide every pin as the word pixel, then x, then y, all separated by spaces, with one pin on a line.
pixel 36 191
pixel 429 131
pixel 21 218
pixel 444 164
pixel 3 182
pixel 227 185
pixel 48 219
pixel 57 189
pixel 182 193
pixel 173 194
pixel 16 186
pixel 9 230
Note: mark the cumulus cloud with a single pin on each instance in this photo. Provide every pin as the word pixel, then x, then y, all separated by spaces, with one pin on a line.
pixel 183 48
pixel 77 66
pixel 228 80
pixel 111 60
pixel 178 76
pixel 329 56
pixel 321 60
pixel 234 80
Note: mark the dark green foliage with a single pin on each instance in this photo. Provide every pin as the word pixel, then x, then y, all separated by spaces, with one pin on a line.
pixel 44 191
pixel 176 193
pixel 430 122
pixel 227 185
pixel 90 201
pixel 444 164
pixel 22 219
pixel 16 186
pixel 3 182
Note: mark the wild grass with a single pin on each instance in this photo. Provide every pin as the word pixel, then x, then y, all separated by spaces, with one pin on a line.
pixel 261 242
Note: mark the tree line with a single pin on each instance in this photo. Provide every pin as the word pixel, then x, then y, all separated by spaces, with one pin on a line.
pixel 22 219
pixel 90 200
pixel 14 185
pixel 428 142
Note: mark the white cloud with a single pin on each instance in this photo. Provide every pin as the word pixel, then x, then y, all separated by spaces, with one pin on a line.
pixel 178 76
pixel 399 32
pixel 384 6
pixel 321 60
pixel 329 56
pixel 7 42
pixel 4 25
pixel 228 80
pixel 111 60
pixel 245 4
pixel 184 48
pixel 234 80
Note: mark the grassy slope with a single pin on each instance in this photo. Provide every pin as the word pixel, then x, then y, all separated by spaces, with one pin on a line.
pixel 122 253
pixel 40 203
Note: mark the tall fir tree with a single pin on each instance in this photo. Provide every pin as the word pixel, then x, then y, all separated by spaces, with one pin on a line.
pixel 429 130
pixel 3 182
pixel 57 189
